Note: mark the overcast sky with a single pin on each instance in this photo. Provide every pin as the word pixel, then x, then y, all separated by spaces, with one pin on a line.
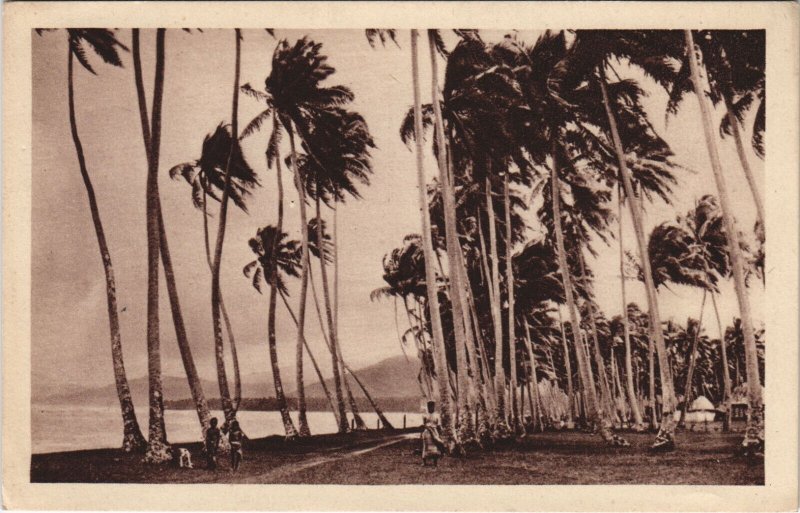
pixel 70 339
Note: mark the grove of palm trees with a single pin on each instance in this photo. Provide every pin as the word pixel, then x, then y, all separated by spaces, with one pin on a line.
pixel 560 233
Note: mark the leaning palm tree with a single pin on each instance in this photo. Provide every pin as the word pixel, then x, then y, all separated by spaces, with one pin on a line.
pixel 446 408
pixel 296 95
pixel 216 262
pixel 754 437
pixel 276 257
pixel 104 44
pixel 158 450
pixel 206 177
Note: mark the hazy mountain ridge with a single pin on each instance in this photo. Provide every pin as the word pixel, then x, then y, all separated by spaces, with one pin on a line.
pixel 393 377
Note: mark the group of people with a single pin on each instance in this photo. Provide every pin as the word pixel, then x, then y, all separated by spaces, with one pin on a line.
pixel 213 440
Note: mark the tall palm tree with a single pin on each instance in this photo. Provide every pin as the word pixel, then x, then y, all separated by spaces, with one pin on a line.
pixel 447 414
pixel 275 257
pixel 754 437
pixel 734 63
pixel 537 69
pixel 158 450
pixel 464 422
pixel 219 353
pixel 206 176
pixel 302 104
pixel 629 378
pixel 104 44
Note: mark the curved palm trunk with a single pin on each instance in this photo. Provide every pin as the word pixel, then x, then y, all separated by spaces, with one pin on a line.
pixel 237 379
pixel 336 351
pixel 726 374
pixel 501 426
pixel 448 433
pixel 755 424
pixel 301 396
pixel 594 411
pixel 667 428
pixel 219 353
pixel 637 414
pixel 651 362
pixel 158 450
pixel 687 388
pixel 568 365
pixel 512 339
pixel 384 421
pixel 313 360
pixel 464 423
pixel 195 387
pixel 748 173
pixel 132 438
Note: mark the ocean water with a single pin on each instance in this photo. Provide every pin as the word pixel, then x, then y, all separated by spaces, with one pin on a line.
pixel 71 428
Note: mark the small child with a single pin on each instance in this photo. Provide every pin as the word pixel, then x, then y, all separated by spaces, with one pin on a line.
pixel 213 436
pixel 235 437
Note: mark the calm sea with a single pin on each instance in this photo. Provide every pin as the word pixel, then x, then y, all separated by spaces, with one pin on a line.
pixel 71 428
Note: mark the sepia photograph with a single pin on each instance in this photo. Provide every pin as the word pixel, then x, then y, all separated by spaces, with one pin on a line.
pixel 376 256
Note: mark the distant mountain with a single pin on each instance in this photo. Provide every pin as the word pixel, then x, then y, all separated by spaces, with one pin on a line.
pixel 393 377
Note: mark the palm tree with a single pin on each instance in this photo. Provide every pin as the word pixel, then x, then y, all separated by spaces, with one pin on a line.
pixel 754 437
pixel 448 433
pixel 158 450
pixel 637 414
pixel 275 257
pixel 219 353
pixel 734 62
pixel 206 178
pixel 104 44
pixel 536 68
pixel 464 422
pixel 337 145
pixel 302 105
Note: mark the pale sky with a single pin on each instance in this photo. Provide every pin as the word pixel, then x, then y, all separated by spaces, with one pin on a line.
pixel 70 338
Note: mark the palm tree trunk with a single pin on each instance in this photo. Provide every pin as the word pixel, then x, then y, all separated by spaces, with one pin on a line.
pixel 637 414
pixel 726 374
pixel 219 353
pixel 448 432
pixel 594 410
pixel 667 428
pixel 687 388
pixel 384 421
pixel 335 348
pixel 237 380
pixel 132 438
pixel 652 382
pixel 313 360
pixel 568 365
pixel 157 447
pixel 359 421
pixel 464 423
pixel 501 427
pixel 748 173
pixel 512 339
pixel 755 424
pixel 195 386
pixel 305 430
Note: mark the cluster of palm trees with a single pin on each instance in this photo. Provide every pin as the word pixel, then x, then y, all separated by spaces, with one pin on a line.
pixel 517 125
pixel 513 125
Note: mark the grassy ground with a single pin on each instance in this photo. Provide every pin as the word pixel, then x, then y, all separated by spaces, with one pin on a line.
pixel 380 458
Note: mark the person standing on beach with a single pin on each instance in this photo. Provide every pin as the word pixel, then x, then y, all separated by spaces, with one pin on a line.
pixel 213 437
pixel 432 444
pixel 235 437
